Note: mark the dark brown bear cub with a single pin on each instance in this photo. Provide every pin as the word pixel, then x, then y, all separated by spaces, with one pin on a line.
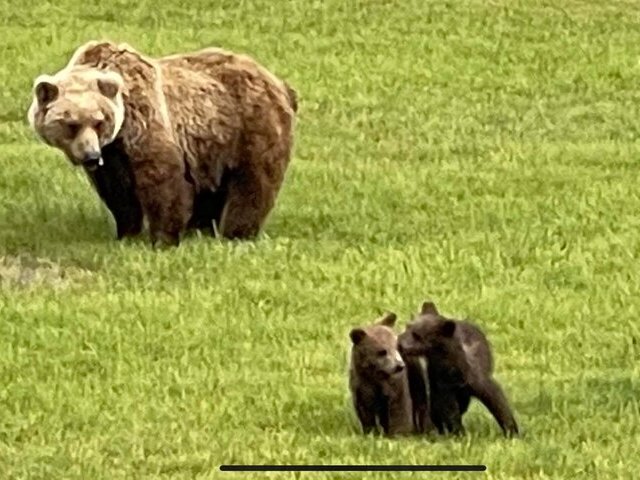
pixel 460 366
pixel 378 379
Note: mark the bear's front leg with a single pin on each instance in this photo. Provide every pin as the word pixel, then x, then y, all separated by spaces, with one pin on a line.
pixel 115 185
pixel 165 194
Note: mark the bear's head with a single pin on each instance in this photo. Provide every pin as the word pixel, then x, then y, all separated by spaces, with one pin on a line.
pixel 427 332
pixel 78 110
pixel 375 349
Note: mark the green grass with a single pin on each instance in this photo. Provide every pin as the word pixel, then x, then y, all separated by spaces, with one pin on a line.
pixel 483 154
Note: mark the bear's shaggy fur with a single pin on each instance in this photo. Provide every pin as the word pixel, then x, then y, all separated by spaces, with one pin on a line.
pixel 200 137
pixel 378 379
pixel 460 366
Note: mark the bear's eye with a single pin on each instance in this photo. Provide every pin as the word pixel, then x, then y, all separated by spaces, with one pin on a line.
pixel 97 126
pixel 72 129
pixel 382 353
pixel 416 337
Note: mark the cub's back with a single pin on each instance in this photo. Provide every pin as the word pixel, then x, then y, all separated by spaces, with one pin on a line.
pixel 475 345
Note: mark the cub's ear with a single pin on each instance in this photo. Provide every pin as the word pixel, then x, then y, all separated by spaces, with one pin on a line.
pixel 357 335
pixel 110 85
pixel 429 308
pixel 388 320
pixel 46 92
pixel 448 328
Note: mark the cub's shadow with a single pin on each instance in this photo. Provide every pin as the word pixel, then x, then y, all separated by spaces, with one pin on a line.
pixel 612 394
pixel 324 413
pixel 319 413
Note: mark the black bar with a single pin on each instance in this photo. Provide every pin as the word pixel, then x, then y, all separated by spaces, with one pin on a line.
pixel 353 468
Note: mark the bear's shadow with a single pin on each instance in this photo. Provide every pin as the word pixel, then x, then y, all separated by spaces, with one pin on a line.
pixel 50 228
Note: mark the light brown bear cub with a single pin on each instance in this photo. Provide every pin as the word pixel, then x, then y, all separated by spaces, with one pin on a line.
pixel 378 379
pixel 204 134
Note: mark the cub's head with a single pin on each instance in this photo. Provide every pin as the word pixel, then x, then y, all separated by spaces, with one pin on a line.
pixel 426 332
pixel 375 349
pixel 78 110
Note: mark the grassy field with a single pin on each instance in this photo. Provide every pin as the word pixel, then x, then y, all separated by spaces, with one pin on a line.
pixel 483 154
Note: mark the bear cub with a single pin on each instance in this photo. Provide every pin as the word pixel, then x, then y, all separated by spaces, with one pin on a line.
pixel 378 379
pixel 459 366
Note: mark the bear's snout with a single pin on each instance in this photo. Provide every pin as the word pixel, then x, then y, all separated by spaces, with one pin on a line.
pixel 399 363
pixel 92 160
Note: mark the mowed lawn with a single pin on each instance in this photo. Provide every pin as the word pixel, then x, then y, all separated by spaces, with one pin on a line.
pixel 482 154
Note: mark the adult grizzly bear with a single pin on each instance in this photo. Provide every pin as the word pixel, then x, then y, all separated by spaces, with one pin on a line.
pixel 185 140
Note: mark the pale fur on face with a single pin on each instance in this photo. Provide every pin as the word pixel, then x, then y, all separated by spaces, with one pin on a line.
pixel 76 82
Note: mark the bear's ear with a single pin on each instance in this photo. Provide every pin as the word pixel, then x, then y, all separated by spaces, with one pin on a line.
pixel 388 320
pixel 429 308
pixel 46 92
pixel 357 334
pixel 448 328
pixel 109 87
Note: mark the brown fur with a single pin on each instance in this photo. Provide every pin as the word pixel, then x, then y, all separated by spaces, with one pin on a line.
pixel 378 379
pixel 460 366
pixel 193 121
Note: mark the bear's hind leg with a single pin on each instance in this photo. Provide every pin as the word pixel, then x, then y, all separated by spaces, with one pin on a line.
pixel 250 198
pixel 492 396
pixel 446 412
pixel 253 186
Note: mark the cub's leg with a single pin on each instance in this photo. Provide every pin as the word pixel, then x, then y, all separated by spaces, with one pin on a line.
pixel 446 412
pixel 364 405
pixel 491 395
pixel 398 414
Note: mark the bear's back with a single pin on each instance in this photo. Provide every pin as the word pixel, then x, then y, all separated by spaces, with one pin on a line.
pixel 223 66
pixel 475 346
